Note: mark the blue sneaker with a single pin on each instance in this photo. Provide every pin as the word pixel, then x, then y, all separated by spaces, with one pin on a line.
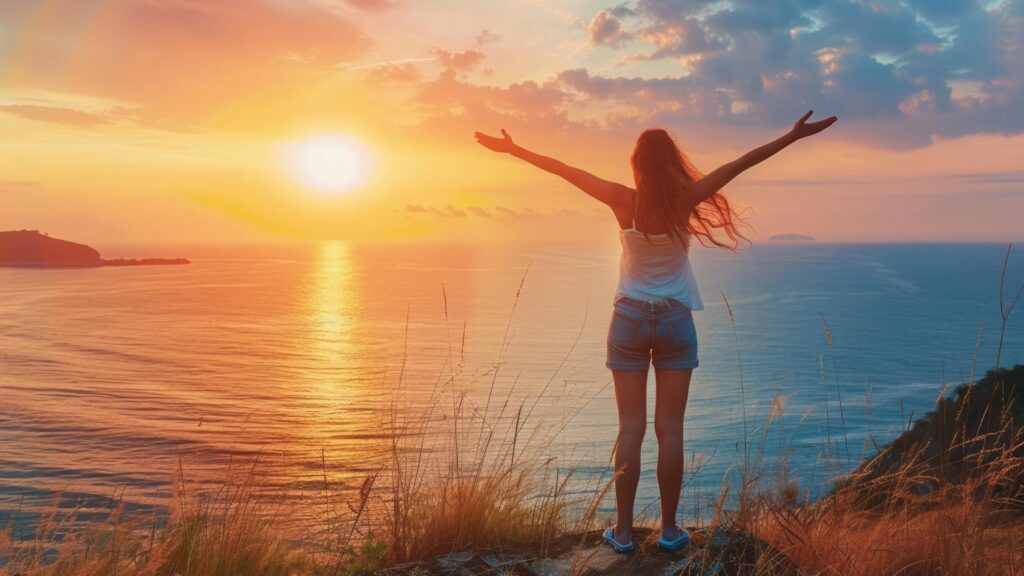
pixel 677 544
pixel 609 537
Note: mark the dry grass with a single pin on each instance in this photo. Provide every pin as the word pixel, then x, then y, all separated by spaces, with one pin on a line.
pixel 947 497
pixel 464 481
pixel 228 535
pixel 956 530
pixel 492 486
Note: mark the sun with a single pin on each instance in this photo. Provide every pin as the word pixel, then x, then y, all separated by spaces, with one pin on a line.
pixel 332 164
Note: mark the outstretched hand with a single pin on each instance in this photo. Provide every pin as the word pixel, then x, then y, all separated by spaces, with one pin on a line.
pixel 803 128
pixel 503 144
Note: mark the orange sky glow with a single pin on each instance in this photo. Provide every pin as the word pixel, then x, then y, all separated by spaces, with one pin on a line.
pixel 177 121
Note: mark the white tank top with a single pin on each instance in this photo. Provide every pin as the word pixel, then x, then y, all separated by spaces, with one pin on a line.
pixel 657 269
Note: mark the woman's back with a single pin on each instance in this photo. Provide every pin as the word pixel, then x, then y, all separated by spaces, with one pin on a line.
pixel 656 267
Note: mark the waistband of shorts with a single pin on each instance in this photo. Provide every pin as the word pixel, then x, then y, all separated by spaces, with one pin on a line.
pixel 649 306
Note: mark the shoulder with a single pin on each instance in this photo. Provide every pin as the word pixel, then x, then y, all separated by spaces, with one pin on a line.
pixel 626 194
pixel 622 205
pixel 619 194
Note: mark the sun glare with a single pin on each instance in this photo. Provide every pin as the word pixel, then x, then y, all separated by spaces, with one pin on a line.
pixel 332 164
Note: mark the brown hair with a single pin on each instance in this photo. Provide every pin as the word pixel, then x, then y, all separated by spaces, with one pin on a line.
pixel 662 172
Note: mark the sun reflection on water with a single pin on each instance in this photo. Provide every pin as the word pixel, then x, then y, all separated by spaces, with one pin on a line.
pixel 333 299
pixel 334 377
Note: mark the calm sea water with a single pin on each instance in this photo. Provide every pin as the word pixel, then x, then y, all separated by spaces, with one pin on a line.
pixel 311 358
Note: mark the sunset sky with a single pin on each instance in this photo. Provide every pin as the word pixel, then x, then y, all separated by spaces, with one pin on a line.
pixel 190 121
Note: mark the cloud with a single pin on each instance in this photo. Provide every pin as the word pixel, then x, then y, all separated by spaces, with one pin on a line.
pixel 452 107
pixel 898 74
pixel 486 37
pixel 352 67
pixel 450 211
pixel 465 60
pixel 1001 177
pixel 16 186
pixel 622 11
pixel 812 182
pixel 56 115
pixel 941 10
pixel 681 37
pixel 1007 177
pixel 371 5
pixel 392 74
pixel 181 59
pixel 513 213
pixel 606 30
pixel 623 88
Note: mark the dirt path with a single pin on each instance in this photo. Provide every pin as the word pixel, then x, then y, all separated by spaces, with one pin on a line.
pixel 713 553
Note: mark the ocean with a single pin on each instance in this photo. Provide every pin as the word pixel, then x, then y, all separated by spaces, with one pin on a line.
pixel 303 363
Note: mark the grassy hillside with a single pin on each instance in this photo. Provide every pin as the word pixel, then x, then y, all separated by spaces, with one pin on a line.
pixel 944 498
pixel 939 500
pixel 969 435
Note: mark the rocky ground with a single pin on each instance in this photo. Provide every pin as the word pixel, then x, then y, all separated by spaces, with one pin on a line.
pixel 713 553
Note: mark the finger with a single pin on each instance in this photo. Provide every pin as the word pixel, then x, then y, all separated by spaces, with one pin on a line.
pixel 805 117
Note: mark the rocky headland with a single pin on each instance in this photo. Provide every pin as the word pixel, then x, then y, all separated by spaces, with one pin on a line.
pixel 34 249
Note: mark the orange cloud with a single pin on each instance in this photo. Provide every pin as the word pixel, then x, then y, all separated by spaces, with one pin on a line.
pixel 56 115
pixel 487 37
pixel 183 59
pixel 392 74
pixel 465 60
pixel 371 5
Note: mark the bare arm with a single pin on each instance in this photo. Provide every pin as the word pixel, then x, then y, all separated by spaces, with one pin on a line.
pixel 608 192
pixel 705 187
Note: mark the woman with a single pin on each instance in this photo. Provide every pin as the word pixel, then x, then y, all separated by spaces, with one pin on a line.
pixel 670 203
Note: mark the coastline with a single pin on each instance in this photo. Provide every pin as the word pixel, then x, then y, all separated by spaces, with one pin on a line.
pixel 35 249
pixel 106 263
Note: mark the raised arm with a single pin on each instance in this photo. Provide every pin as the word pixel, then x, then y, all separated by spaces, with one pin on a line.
pixel 610 193
pixel 705 187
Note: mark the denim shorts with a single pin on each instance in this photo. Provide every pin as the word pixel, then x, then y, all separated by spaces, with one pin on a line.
pixel 642 333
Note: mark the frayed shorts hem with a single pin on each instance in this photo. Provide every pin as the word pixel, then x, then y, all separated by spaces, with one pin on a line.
pixel 619 367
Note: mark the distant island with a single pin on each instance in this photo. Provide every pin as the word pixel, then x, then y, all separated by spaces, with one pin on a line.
pixel 31 248
pixel 791 238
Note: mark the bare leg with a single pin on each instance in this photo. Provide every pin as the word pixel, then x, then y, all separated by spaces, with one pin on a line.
pixel 631 400
pixel 673 389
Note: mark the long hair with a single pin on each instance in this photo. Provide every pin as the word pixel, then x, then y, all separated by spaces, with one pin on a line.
pixel 662 173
